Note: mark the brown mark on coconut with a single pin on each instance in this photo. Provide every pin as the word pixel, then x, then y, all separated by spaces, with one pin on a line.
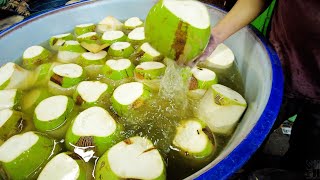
pixel 127 141
pixel 148 150
pixel 218 99
pixel 193 83
pixel 138 103
pixel 180 41
pixel 209 134
pixel 56 79
pixel 79 100
pixel 85 141
pixel 74 156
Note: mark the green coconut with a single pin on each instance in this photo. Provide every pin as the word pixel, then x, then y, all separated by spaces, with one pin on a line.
pixel 94 130
pixel 43 73
pixel 10 99
pixel 146 53
pixel 118 69
pixel 48 119
pixel 93 71
pixel 15 77
pixel 70 51
pixel 67 75
pixel 57 41
pixel 35 56
pixel 109 23
pixel 133 158
pixel 221 108
pixel 132 23
pixel 89 58
pixel 202 78
pixel 66 165
pixel 12 123
pixel 23 156
pixel 178 29
pixel 110 37
pixel 221 58
pixel 32 98
pixel 92 42
pixel 194 141
pixel 149 71
pixel 136 36
pixel 129 96
pixel 90 93
pixel 120 50
pixel 84 28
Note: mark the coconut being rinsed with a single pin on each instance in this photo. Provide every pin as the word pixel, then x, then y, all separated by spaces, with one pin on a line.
pixel 93 129
pixel 133 158
pixel 187 32
pixel 26 154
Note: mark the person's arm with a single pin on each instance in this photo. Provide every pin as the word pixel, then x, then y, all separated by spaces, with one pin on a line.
pixel 242 13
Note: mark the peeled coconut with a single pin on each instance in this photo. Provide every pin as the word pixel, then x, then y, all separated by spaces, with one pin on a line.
pixel 94 129
pixel 221 108
pixel 84 28
pixel 35 56
pixel 118 69
pixel 89 58
pixel 92 42
pixel 32 98
pixel 24 155
pixel 178 29
pixel 149 71
pixel 136 36
pixel 109 23
pixel 132 23
pixel 10 99
pixel 146 53
pixel 121 49
pixel 133 158
pixel 57 41
pixel 110 37
pixel 67 75
pixel 128 97
pixel 43 73
pixel 221 58
pixel 70 51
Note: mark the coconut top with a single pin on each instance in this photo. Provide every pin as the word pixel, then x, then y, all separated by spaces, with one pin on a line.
pixel 4 116
pixel 6 72
pixel 147 48
pixel 135 158
pixel 89 34
pixel 228 93
pixel 45 111
pixel 128 93
pixel 68 70
pixel 133 22
pixel 16 145
pixel 203 74
pixel 90 91
pixel 61 35
pixel 112 35
pixel 222 56
pixel 61 166
pixel 94 56
pixel 190 137
pixel 119 65
pixel 120 45
pixel 94 121
pixel 150 65
pixel 137 34
pixel 192 12
pixel 33 51
pixel 7 98
pixel 85 25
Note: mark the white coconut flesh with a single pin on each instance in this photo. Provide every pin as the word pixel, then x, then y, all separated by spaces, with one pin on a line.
pixel 61 35
pixel 120 46
pixel 32 52
pixel 135 158
pixel 94 121
pixel 51 108
pixel 190 137
pixel 91 91
pixel 228 93
pixel 133 22
pixel 108 24
pixel 147 48
pixel 127 94
pixel 137 34
pixel 67 56
pixel 150 65
pixel 31 98
pixel 89 34
pixel 61 166
pixel 16 145
pixel 7 98
pixel 192 12
pixel 112 35
pixel 119 65
pixel 94 56
pixel 6 72
pixel 221 57
pixel 84 25
pixel 5 116
pixel 203 74
pixel 68 70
